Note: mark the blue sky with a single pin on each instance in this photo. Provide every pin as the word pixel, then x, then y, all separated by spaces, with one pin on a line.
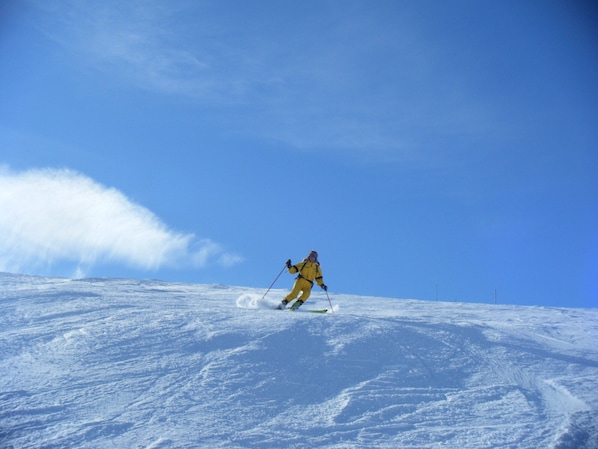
pixel 430 150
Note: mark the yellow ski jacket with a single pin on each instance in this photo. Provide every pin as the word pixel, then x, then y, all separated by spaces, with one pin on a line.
pixel 309 271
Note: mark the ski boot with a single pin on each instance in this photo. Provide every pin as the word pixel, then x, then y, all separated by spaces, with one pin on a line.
pixel 282 305
pixel 296 305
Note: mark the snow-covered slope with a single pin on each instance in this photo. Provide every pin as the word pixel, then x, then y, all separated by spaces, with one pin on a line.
pixel 110 363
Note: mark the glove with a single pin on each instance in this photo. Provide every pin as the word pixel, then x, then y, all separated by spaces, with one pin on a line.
pixel 324 287
pixel 289 263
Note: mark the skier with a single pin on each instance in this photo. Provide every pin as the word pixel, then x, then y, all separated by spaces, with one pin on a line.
pixel 309 271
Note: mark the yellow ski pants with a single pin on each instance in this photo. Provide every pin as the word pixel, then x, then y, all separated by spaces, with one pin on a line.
pixel 302 286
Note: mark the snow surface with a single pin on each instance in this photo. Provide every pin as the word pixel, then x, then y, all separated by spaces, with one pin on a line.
pixel 114 363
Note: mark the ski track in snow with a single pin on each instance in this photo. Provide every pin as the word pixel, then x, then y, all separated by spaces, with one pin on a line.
pixel 116 363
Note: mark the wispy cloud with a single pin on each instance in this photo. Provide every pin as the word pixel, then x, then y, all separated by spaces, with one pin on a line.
pixel 145 43
pixel 331 79
pixel 49 216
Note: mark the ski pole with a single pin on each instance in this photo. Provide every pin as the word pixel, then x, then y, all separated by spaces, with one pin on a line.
pixel 331 308
pixel 273 282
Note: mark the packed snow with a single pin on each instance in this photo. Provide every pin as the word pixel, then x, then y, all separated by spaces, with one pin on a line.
pixel 116 363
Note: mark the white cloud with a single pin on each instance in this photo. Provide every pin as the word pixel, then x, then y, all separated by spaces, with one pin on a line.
pixel 372 86
pixel 208 250
pixel 49 216
pixel 143 43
